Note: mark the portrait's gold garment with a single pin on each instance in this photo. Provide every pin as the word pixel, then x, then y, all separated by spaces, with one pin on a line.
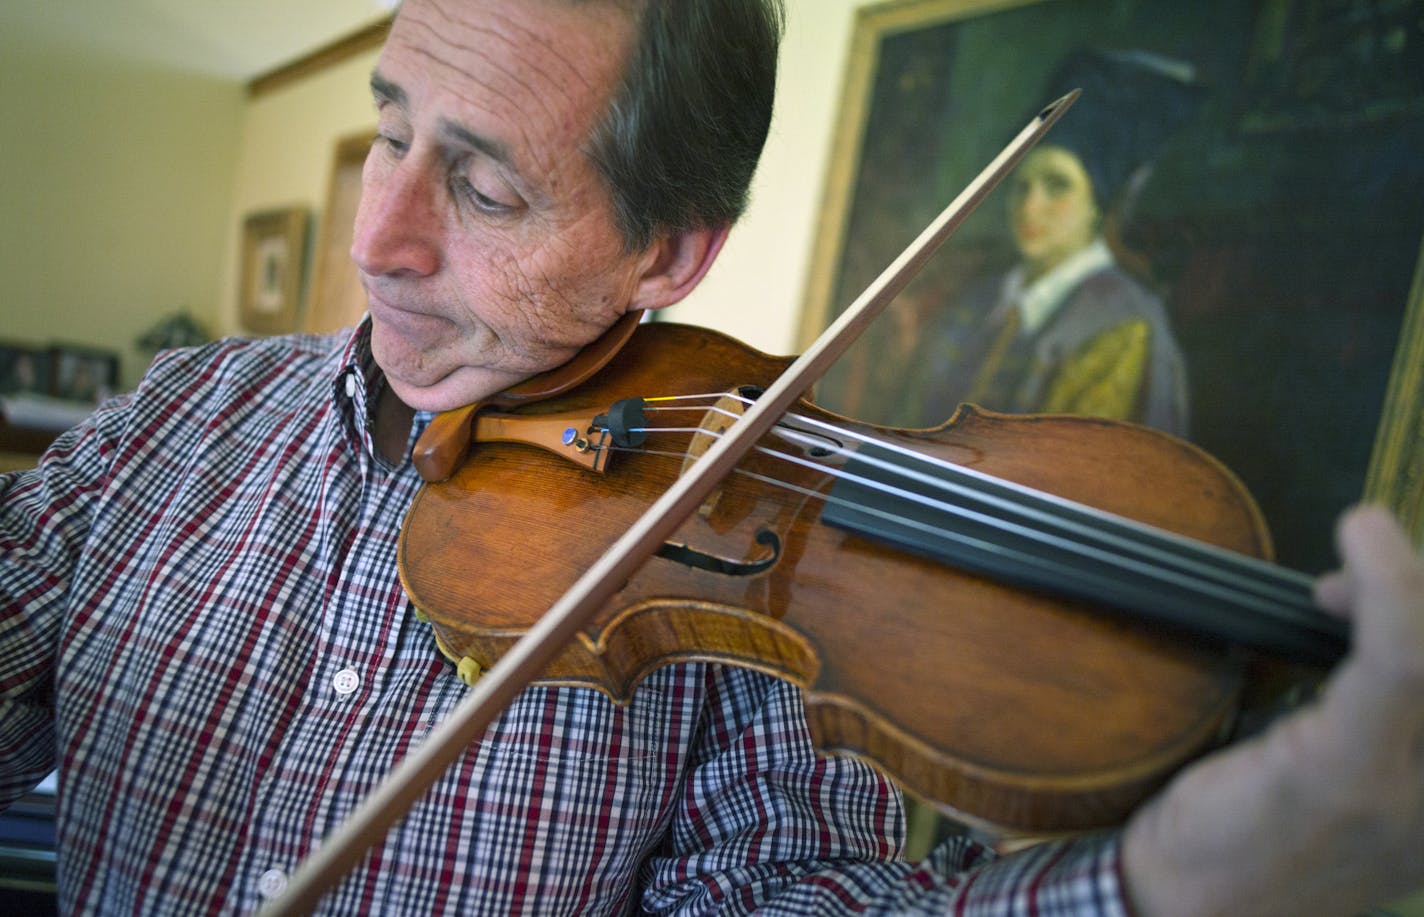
pixel 1104 378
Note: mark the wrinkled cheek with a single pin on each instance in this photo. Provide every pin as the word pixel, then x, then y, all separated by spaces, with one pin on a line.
pixel 561 317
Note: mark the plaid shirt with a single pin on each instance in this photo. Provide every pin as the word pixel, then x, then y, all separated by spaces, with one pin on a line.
pixel 203 629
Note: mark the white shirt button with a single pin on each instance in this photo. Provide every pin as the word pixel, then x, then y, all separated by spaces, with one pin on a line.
pixel 346 681
pixel 272 883
pixel 350 385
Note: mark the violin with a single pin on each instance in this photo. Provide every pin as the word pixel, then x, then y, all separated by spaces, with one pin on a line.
pixel 890 573
pixel 673 495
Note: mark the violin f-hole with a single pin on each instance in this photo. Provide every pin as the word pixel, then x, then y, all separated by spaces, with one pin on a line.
pixel 701 560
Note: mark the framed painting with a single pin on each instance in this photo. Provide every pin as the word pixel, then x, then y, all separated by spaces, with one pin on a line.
pixel 272 261
pixel 1273 222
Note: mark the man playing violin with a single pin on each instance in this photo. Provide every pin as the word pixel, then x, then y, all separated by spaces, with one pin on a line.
pixel 204 631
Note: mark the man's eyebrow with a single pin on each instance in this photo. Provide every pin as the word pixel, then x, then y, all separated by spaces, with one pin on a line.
pixel 492 148
pixel 383 88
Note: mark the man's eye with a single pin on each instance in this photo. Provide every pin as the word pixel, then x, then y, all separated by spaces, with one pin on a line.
pixel 391 143
pixel 480 200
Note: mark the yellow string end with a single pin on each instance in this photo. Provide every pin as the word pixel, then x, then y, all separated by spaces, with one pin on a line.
pixel 469 671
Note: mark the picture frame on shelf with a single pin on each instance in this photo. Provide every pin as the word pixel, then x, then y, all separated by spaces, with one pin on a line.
pixel 83 374
pixel 272 268
pixel 24 369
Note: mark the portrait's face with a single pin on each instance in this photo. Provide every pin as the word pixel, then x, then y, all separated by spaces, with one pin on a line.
pixel 485 239
pixel 1051 207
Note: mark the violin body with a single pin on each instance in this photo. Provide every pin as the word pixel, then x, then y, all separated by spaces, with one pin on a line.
pixel 1006 707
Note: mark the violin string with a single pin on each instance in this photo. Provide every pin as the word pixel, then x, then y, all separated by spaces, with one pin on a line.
pixel 1026 559
pixel 1265 598
pixel 1123 523
pixel 1069 509
pixel 1219 615
pixel 1054 569
pixel 1201 576
pixel 1276 580
pixel 1047 567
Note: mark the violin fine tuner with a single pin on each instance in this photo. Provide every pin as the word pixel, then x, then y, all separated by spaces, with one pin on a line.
pixel 625 423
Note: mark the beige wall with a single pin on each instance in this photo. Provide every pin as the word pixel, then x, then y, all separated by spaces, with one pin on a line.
pixel 114 204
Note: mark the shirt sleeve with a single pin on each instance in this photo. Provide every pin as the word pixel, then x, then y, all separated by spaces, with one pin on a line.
pixel 44 521
pixel 768 826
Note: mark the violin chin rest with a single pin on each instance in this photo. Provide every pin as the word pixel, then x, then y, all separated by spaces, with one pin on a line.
pixel 444 444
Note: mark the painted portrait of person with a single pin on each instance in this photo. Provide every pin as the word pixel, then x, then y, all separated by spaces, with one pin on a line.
pixel 1070 326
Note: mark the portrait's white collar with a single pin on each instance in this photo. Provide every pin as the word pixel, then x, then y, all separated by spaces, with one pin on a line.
pixel 1038 301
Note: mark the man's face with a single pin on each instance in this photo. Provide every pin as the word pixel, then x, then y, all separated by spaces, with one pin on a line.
pixel 485 238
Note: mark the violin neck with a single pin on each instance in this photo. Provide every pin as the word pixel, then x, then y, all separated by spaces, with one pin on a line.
pixel 1038 541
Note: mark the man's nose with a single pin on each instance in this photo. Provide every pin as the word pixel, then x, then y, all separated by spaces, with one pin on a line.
pixel 397 221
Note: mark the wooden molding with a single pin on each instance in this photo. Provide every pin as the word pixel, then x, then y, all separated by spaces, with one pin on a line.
pixel 357 42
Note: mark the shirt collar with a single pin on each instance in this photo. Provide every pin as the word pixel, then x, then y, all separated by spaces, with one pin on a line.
pixel 354 389
pixel 1038 301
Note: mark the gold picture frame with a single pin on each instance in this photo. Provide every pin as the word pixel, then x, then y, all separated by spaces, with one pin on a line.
pixel 272 268
pixel 1273 291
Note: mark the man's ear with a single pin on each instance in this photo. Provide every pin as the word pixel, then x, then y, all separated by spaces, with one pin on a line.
pixel 675 264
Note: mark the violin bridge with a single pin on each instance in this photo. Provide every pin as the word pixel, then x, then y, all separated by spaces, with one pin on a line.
pixel 715 422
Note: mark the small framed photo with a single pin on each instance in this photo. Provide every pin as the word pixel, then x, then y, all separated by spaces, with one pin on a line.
pixel 273 255
pixel 84 374
pixel 24 370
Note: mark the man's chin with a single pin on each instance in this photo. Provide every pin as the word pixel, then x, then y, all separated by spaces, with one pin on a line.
pixel 453 391
pixel 427 388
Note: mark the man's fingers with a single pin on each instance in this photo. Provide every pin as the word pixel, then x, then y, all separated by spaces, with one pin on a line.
pixel 1335 592
pixel 1376 555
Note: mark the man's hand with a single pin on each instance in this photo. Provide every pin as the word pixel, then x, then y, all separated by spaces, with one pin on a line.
pixel 1324 813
